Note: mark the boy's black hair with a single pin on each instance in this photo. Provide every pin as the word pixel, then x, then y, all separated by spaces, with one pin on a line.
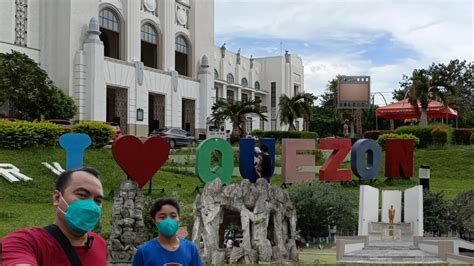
pixel 264 148
pixel 160 203
pixel 62 180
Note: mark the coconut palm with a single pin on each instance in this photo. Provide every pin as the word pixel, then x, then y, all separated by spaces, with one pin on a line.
pixel 237 113
pixel 296 107
pixel 422 89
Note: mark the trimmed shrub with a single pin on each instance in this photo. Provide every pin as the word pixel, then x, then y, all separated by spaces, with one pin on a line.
pixel 278 135
pixel 440 136
pixel 316 200
pixel 374 134
pixel 382 138
pixel 100 133
pixel 424 133
pixel 462 135
pixel 22 134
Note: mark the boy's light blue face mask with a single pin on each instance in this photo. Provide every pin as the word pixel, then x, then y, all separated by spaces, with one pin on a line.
pixel 168 227
pixel 82 215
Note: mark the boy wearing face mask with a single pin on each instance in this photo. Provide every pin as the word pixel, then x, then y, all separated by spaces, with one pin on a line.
pixel 78 198
pixel 167 249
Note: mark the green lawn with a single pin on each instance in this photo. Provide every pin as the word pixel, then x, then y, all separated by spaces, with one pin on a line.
pixel 29 204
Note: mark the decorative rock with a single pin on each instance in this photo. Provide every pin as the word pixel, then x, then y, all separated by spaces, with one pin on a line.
pixel 128 227
pixel 259 205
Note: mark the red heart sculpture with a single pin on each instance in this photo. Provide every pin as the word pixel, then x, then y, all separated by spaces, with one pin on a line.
pixel 140 160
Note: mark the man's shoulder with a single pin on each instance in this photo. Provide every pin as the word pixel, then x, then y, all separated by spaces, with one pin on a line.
pixel 27 233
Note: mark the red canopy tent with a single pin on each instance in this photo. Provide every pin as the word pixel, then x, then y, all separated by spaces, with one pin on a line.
pixel 404 110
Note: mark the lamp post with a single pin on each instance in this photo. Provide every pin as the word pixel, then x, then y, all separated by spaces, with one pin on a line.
pixel 373 102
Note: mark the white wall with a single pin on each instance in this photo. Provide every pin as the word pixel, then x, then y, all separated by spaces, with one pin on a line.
pixel 368 208
pixel 414 209
pixel 391 197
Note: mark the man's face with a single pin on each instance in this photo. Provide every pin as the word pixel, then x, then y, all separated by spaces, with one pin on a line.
pixel 166 211
pixel 81 186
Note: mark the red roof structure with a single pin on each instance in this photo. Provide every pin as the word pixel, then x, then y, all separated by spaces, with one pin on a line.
pixel 404 110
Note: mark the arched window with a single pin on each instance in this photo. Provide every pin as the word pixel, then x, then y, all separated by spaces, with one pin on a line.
pixel 257 85
pixel 110 33
pixel 244 82
pixel 149 46
pixel 216 74
pixel 230 78
pixel 181 56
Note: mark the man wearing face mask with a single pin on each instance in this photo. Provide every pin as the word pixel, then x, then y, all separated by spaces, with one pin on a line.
pixel 167 249
pixel 78 199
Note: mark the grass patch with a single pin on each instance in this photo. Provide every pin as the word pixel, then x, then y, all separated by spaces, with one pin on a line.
pixel 30 204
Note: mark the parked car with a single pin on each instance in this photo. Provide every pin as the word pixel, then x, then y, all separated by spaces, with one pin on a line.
pixel 117 130
pixel 66 124
pixel 175 136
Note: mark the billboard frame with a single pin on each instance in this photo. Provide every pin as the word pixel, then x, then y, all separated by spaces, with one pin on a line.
pixel 353 104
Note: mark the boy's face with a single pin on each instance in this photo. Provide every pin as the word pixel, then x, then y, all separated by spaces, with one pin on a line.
pixel 166 211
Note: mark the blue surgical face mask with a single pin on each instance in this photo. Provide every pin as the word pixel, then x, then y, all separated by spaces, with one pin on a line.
pixel 82 215
pixel 168 227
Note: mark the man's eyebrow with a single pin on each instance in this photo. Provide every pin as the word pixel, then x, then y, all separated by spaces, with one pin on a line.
pixel 81 189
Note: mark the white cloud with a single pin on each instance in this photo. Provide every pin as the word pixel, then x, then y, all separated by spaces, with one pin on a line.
pixel 436 31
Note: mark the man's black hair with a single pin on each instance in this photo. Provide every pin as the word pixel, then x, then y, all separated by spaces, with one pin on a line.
pixel 160 203
pixel 63 179
pixel 264 148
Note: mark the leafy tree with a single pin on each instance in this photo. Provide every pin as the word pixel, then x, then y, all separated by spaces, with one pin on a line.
pixel 319 205
pixel 463 212
pixel 295 107
pixel 435 213
pixel 29 91
pixel 237 113
pixel 457 80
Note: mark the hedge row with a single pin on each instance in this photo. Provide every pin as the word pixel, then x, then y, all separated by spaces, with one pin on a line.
pixel 374 134
pixel 21 134
pixel 100 133
pixel 382 138
pixel 440 136
pixel 463 135
pixel 424 133
pixel 278 135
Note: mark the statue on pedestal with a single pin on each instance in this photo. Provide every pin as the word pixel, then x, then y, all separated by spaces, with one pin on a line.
pixel 391 214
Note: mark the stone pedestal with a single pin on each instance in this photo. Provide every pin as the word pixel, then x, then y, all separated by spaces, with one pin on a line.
pixel 128 227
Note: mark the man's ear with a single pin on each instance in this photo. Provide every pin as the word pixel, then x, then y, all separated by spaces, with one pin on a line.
pixel 56 198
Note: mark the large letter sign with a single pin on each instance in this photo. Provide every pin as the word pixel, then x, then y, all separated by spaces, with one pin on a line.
pixel 329 171
pixel 399 158
pixel 204 156
pixel 358 164
pixel 75 145
pixel 290 160
pixel 246 156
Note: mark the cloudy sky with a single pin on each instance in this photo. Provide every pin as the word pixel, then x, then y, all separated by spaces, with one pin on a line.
pixel 381 38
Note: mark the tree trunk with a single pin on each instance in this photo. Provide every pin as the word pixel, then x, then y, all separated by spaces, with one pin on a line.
pixel 235 135
pixel 423 118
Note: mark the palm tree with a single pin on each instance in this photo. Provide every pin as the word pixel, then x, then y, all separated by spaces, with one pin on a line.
pixel 422 88
pixel 295 107
pixel 237 114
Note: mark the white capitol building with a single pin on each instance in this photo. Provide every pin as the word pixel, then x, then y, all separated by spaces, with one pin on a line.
pixel 145 64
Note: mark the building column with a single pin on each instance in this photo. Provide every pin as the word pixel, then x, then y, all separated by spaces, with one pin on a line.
pixel 239 94
pixel 252 95
pixel 133 30
pixel 94 91
pixel 224 91
pixel 167 14
pixel 206 81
